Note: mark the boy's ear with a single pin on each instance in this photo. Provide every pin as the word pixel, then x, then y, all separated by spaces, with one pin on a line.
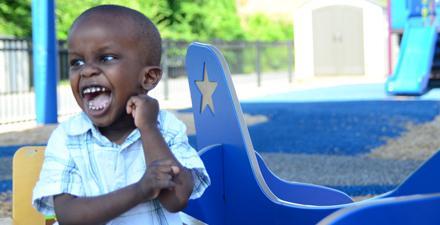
pixel 150 77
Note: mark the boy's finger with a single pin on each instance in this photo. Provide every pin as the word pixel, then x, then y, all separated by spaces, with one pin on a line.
pixel 171 184
pixel 163 176
pixel 129 106
pixel 171 170
pixel 166 162
pixel 175 170
pixel 164 169
pixel 166 184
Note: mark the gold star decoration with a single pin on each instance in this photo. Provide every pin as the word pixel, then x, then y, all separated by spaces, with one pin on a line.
pixel 206 88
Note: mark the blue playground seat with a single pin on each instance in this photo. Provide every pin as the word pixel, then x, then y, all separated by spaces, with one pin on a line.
pixel 243 189
pixel 406 210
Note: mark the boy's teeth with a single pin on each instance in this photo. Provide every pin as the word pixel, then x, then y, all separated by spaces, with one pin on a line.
pixel 92 107
pixel 94 89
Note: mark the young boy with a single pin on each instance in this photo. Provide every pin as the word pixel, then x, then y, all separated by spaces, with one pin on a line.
pixel 122 160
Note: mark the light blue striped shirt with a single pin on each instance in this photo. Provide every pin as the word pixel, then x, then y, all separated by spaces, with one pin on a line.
pixel 81 162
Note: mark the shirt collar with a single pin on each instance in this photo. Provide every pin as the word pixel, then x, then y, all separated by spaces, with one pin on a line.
pixel 81 124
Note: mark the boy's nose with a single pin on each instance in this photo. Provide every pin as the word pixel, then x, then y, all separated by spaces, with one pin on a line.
pixel 89 70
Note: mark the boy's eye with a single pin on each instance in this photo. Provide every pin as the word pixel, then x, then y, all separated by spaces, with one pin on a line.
pixel 76 62
pixel 107 58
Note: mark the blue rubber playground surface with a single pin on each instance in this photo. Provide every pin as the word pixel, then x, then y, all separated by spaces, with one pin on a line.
pixel 337 128
pixel 342 121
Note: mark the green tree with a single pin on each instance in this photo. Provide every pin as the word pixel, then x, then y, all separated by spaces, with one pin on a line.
pixel 15 18
pixel 188 20
pixel 223 19
pixel 66 11
pixel 194 19
pixel 260 27
pixel 176 19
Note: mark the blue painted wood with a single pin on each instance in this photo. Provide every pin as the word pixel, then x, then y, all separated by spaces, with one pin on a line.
pixel 301 193
pixel 415 209
pixel 247 199
pixel 243 189
pixel 210 207
pixel 424 180
pixel 45 60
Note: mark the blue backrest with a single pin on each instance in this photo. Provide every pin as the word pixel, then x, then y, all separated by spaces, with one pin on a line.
pixel 239 189
pixel 218 113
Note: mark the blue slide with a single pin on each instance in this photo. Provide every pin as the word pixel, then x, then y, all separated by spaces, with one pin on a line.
pixel 417 49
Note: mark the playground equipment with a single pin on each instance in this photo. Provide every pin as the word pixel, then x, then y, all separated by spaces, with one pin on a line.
pixel 243 189
pixel 414 209
pixel 45 58
pixel 26 168
pixel 418 65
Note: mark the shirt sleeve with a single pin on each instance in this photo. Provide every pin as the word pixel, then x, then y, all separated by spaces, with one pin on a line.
pixel 174 132
pixel 58 175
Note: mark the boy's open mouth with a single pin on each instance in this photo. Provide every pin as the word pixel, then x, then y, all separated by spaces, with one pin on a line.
pixel 96 98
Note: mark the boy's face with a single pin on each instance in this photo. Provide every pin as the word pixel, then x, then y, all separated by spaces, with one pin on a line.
pixel 105 67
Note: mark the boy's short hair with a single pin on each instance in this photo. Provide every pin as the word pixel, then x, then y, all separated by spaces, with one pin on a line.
pixel 147 33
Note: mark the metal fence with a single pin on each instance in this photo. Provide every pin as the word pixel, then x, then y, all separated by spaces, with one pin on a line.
pixel 15 65
pixel 17 100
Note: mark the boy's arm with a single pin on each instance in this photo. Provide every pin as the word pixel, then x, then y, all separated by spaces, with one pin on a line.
pixel 100 209
pixel 145 110
pixel 155 148
pixel 95 210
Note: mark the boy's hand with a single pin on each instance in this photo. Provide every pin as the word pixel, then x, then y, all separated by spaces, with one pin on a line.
pixel 159 175
pixel 144 110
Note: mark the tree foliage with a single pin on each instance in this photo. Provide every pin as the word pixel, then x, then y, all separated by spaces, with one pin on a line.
pixel 176 19
pixel 259 27
pixel 15 17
